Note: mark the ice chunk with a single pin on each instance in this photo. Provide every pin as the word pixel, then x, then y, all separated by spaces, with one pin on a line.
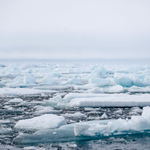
pixel 2 85
pixel 71 96
pixel 29 79
pixel 115 100
pixel 114 89
pixel 146 113
pixel 55 74
pixel 73 81
pixel 100 81
pixel 95 90
pixel 22 91
pixel 21 81
pixel 15 100
pixel 135 89
pixel 139 82
pixel 80 128
pixel 104 116
pixel 46 121
pixel 42 110
pixel 123 80
pixel 84 87
pixel 76 115
pixel 98 72
pixel 5 130
pixel 49 80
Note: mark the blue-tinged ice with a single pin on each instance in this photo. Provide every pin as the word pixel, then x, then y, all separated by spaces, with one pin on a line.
pixel 90 129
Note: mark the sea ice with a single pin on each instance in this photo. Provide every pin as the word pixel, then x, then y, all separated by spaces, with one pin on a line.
pixel 90 129
pixel 49 80
pixel 15 100
pixel 71 96
pixel 22 91
pixel 114 89
pixel 120 126
pixel 115 100
pixel 43 110
pixel 123 80
pixel 100 81
pixel 46 121
pixel 76 115
pixel 74 81
pixel 29 79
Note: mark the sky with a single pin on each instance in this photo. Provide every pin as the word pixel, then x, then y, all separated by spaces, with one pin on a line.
pixel 74 29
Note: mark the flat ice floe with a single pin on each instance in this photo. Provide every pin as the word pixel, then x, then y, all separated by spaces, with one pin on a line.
pixel 115 100
pixel 22 91
pixel 46 121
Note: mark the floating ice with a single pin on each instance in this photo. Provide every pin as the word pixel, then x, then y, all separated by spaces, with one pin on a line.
pixel 46 121
pixel 73 81
pixel 120 126
pixel 139 82
pixel 123 80
pixel 15 100
pixel 2 85
pixel 71 96
pixel 100 81
pixel 135 89
pixel 29 79
pixel 114 89
pixel 22 81
pixel 96 90
pixel 104 116
pixel 76 115
pixel 49 80
pixel 43 110
pixel 91 130
pixel 5 130
pixel 22 91
pixel 115 100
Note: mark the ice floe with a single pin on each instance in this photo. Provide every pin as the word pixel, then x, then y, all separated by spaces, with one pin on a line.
pixel 46 121
pixel 22 91
pixel 115 100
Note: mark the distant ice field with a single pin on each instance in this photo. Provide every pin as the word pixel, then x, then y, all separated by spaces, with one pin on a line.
pixel 75 102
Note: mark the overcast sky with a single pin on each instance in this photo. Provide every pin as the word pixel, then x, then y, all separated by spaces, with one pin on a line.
pixel 46 29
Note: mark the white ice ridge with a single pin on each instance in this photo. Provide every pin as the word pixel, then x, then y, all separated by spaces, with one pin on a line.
pixel 91 129
pixel 46 121
pixel 112 100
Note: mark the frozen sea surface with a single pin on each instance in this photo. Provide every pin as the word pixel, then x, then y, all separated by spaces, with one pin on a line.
pixel 74 105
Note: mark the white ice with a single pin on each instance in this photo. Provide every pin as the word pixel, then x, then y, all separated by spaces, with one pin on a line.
pixel 46 121
pixel 115 100
pixel 136 123
pixel 22 91
pixel 76 115
pixel 91 129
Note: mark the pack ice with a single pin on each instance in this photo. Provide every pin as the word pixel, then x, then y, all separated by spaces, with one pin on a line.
pixel 89 129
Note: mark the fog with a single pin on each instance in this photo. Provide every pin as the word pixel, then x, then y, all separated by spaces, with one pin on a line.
pixel 77 29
